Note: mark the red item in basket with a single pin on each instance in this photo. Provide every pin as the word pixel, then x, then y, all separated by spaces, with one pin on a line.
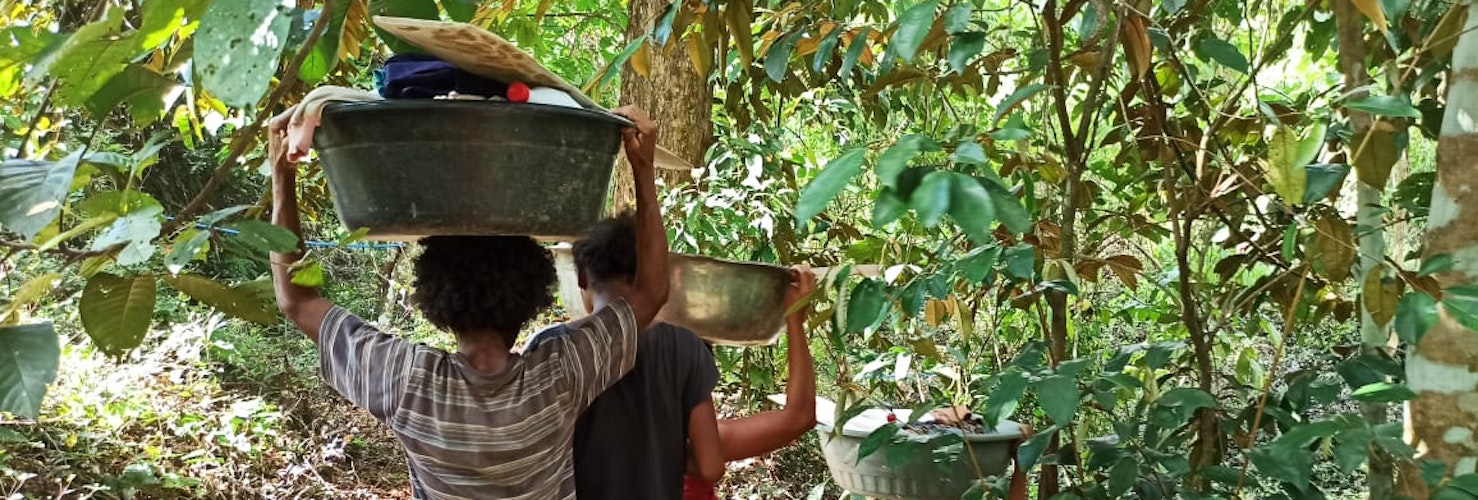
pixel 518 92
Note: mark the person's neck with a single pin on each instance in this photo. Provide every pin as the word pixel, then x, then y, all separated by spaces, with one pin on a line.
pixel 486 352
pixel 606 294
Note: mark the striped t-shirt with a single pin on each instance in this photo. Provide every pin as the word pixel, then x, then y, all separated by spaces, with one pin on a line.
pixel 473 435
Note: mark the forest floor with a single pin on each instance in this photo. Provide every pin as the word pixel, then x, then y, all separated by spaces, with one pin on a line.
pixel 213 410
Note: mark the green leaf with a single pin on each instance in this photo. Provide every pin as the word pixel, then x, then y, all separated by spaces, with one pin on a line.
pixel 970 153
pixel 31 193
pixel 187 247
pixel 876 440
pixel 309 275
pixel 1059 398
pixel 1177 405
pixel 913 26
pixel 325 54
pixel 1322 179
pixel 116 311
pixel 1383 392
pixel 777 60
pixel 1290 242
pixel 662 31
pixel 264 237
pixel 27 293
pixel 1004 397
pixel 963 47
pixel 1295 468
pixel 957 18
pixel 1378 153
pixel 24 46
pixel 1352 449
pixel 824 49
pixel 972 208
pixel 1287 177
pixel 143 90
pixel 1209 47
pixel 1435 264
pixel 1416 314
pixel 931 199
pixel 1310 145
pixel 829 183
pixel 415 9
pixel 888 208
pixel 896 158
pixel 978 264
pixel 1021 261
pixel 1301 436
pixel 134 232
pixel 163 18
pixel 235 302
pixel 1008 207
pixel 28 363
pixel 1171 7
pixel 1461 302
pixel 1030 452
pixel 1384 105
pixel 1122 476
pixel 237 47
pixel 462 11
pixel 866 304
pixel 89 58
pixel 854 51
pixel 1016 98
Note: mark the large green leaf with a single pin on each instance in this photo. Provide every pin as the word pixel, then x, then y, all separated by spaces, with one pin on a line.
pixel 1215 49
pixel 237 47
pixel 233 301
pixel 888 207
pixel 972 208
pixel 970 153
pixel 931 199
pixel 30 291
pixel 28 362
pixel 1384 105
pixel 1323 179
pixel 1383 392
pixel 876 440
pixel 1059 397
pixel 896 158
pixel 824 49
pixel 89 58
pixel 1031 451
pixel 1461 302
pixel 829 183
pixel 1177 405
pixel 188 246
pixel 1415 314
pixel 23 46
pixel 31 193
pixel 1004 397
pixel 1293 468
pixel 978 264
pixel 143 90
pixel 913 27
pixel 116 311
pixel 1016 98
pixel 1020 261
pixel 325 54
pixel 866 304
pixel 957 18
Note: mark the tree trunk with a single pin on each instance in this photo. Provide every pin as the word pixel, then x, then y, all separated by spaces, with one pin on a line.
pixel 1443 367
pixel 1373 337
pixel 678 98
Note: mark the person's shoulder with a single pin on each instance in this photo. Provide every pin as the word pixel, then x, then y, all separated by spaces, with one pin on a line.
pixel 669 333
pixel 548 334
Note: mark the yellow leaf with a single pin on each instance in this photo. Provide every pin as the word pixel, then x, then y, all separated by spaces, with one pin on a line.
pixel 936 312
pixel 354 30
pixel 736 14
pixel 699 54
pixel 543 9
pixel 1287 178
pixel 1372 10
pixel 639 61
pixel 1334 241
pixel 1380 295
pixel 1085 59
pixel 30 291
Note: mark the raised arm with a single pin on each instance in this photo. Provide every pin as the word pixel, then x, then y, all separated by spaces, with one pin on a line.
pixel 649 288
pixel 304 306
pixel 766 432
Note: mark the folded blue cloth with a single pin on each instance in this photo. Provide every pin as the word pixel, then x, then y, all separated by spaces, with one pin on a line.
pixel 421 76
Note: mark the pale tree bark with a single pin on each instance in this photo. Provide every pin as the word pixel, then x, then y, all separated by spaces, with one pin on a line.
pixel 678 98
pixel 1443 367
pixel 1373 336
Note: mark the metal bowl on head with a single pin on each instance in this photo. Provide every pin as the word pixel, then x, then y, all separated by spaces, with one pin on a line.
pixel 409 168
pixel 724 302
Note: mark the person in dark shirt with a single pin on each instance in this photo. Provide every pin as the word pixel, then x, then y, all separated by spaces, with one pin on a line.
pixel 638 437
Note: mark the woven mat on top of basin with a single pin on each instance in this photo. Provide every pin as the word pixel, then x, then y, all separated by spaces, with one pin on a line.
pixel 479 52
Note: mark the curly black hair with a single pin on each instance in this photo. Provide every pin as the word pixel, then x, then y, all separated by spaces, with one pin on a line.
pixel 608 251
pixel 471 284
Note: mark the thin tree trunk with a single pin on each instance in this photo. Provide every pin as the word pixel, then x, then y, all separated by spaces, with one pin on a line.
pixel 1373 337
pixel 1443 367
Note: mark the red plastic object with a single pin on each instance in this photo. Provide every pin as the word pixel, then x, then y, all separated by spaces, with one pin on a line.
pixel 518 92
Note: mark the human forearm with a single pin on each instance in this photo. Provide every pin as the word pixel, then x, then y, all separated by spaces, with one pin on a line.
pixel 304 306
pixel 650 284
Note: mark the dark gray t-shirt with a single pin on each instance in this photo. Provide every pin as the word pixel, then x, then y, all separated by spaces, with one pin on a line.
pixel 632 440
